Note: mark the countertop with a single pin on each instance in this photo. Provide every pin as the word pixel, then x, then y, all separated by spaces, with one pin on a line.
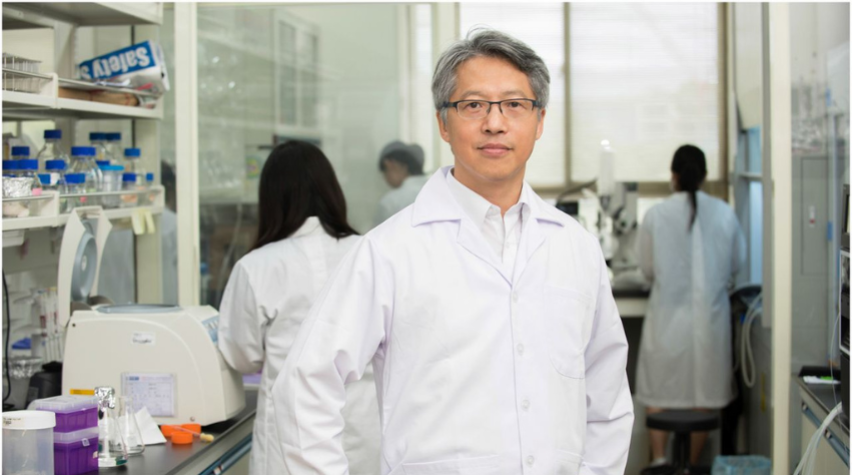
pixel 168 459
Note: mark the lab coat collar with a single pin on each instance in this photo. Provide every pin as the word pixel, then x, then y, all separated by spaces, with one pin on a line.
pixel 435 203
pixel 308 227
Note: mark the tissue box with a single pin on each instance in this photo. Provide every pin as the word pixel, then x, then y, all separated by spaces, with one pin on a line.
pixel 141 67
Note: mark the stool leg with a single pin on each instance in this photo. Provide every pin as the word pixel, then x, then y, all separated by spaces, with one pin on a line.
pixel 682 451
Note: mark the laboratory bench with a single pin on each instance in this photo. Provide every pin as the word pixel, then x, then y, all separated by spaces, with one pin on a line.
pixel 817 401
pixel 232 442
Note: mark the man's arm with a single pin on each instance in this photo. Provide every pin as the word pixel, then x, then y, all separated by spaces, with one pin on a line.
pixel 334 346
pixel 609 407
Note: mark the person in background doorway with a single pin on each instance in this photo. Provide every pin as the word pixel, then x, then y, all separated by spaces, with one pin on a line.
pixel 690 246
pixel 302 235
pixel 402 167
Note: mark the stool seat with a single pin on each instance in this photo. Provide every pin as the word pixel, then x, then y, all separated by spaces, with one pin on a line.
pixel 683 421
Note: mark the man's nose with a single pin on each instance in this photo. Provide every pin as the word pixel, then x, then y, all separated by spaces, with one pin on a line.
pixel 494 121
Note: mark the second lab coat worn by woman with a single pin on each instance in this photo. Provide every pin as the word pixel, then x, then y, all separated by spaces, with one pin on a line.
pixel 269 294
pixel 685 354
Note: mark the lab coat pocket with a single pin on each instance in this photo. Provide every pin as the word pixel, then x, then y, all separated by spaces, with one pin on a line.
pixel 475 465
pixel 567 316
pixel 567 463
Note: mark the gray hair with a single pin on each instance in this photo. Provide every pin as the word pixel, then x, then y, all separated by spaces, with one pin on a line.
pixel 492 44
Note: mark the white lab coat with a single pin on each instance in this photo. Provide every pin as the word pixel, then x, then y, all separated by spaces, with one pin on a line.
pixel 685 354
pixel 397 199
pixel 476 371
pixel 267 297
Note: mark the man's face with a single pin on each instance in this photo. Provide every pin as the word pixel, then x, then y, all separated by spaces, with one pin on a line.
pixel 395 173
pixel 493 149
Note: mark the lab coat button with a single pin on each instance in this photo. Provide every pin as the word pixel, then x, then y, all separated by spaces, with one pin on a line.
pixel 525 404
pixel 520 348
pixel 530 461
pixel 515 297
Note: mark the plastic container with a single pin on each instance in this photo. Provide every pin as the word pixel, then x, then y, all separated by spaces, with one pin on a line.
pixel 83 161
pixel 742 465
pixel 76 452
pixel 128 183
pixel 112 182
pixel 20 152
pixel 52 149
pixel 73 413
pixel 97 140
pixel 23 184
pixel 112 147
pixel 28 442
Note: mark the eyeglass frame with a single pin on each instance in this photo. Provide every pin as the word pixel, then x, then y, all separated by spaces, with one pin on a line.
pixel 455 105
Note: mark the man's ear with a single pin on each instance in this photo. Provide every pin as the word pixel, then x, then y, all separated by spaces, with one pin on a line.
pixel 442 127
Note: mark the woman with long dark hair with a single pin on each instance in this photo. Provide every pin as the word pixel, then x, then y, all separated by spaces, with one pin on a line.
pixel 302 235
pixel 690 246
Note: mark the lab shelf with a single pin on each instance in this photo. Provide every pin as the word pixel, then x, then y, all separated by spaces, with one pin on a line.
pixel 31 106
pixel 44 15
pixel 36 222
pixel 51 219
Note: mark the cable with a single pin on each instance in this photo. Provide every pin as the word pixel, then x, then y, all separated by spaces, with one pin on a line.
pixel 746 351
pixel 806 464
pixel 8 337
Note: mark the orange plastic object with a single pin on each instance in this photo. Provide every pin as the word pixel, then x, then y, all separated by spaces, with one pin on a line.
pixel 167 430
pixel 180 438
pixel 193 427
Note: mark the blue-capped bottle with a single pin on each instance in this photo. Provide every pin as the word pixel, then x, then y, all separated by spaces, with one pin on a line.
pixel 29 169
pixel 56 170
pixel 112 148
pixel 20 152
pixel 133 164
pixel 52 149
pixel 75 184
pixel 131 199
pixel 10 168
pixel 98 139
pixel 83 161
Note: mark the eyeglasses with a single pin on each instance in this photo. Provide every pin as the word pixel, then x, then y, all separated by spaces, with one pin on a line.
pixel 510 108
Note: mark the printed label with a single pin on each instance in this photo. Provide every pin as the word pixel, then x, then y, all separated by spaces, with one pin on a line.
pixel 144 338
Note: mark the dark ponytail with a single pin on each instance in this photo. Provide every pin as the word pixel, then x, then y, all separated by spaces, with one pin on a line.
pixel 690 166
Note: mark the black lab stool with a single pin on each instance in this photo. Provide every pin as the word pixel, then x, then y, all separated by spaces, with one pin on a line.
pixel 682 423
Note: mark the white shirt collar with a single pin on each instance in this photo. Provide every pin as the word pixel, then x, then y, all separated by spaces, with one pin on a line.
pixel 473 204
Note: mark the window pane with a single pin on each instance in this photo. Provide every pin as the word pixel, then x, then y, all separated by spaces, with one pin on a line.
pixel 542 27
pixel 646 78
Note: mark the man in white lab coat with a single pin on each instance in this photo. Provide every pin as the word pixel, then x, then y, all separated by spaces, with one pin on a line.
pixel 402 167
pixel 487 314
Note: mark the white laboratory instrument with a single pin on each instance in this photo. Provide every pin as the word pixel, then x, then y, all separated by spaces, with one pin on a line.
pixel 164 357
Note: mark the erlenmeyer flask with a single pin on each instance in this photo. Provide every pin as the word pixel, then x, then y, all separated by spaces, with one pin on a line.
pixel 112 451
pixel 129 428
